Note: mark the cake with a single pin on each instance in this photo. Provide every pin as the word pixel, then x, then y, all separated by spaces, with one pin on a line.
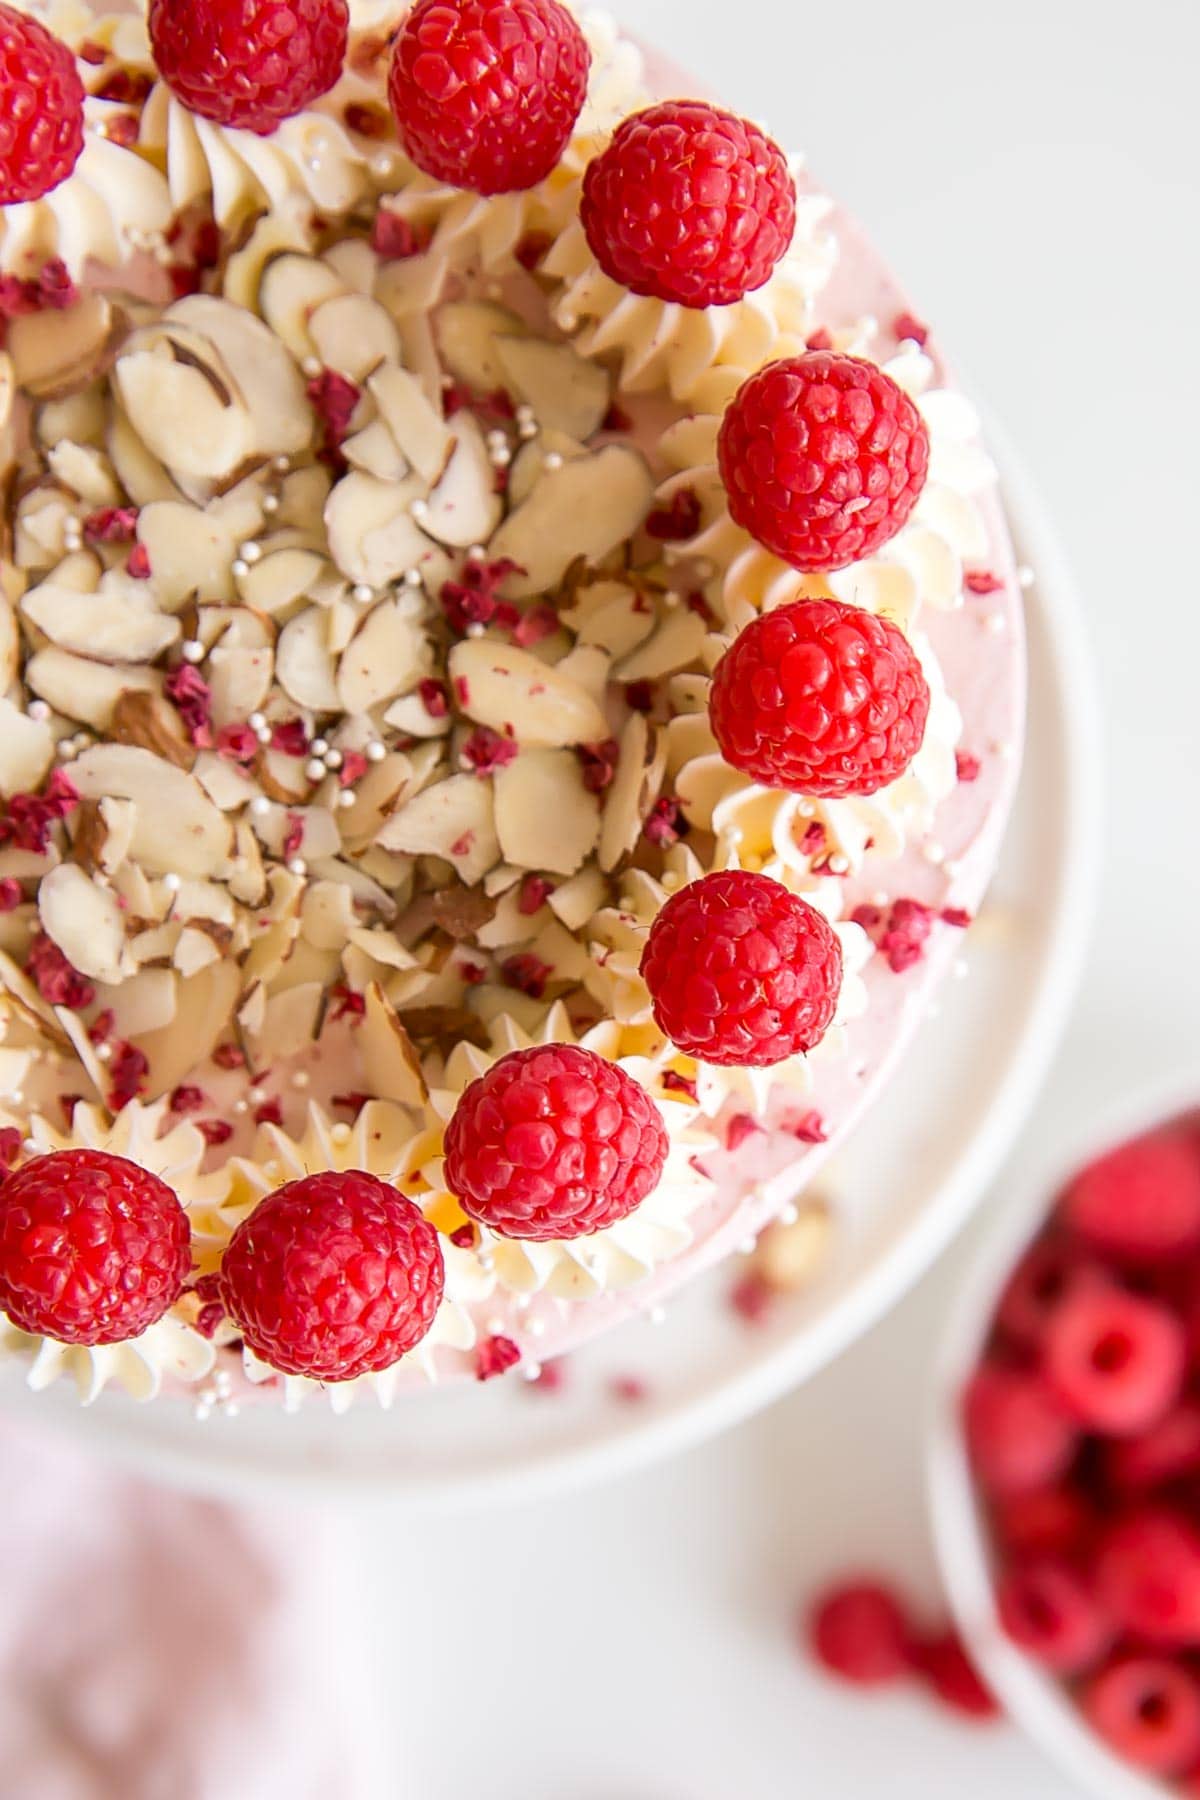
pixel 513 683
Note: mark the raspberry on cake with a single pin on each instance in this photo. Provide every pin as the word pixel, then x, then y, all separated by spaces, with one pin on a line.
pixel 486 92
pixel 689 204
pixel 554 1143
pixel 333 1277
pixel 822 698
pixel 93 1249
pixel 823 457
pixel 419 849
pixel 41 109
pixel 249 63
pixel 742 972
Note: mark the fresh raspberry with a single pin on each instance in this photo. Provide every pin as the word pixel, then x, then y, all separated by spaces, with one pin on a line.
pixel 41 109
pixel 1140 1203
pixel 333 1276
pixel 1018 1435
pixel 554 1142
pixel 823 458
pixel 741 971
pixel 1115 1361
pixel 1148 1575
pixel 1048 1608
pixel 821 698
pixel 859 1631
pixel 689 204
pixel 943 1662
pixel 1148 1710
pixel 1168 1451
pixel 93 1249
pixel 486 92
pixel 1046 1521
pixel 1037 1288
pixel 249 63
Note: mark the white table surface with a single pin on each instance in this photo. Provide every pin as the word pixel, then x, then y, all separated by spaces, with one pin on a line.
pixel 1032 170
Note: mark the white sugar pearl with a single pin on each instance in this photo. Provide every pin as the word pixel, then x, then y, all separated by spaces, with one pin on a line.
pixel 332 759
pixel 346 799
pixel 301 1079
pixel 282 464
pixel 298 866
pixel 419 509
pixel 241 568
pixel 256 721
pixel 375 751
pixel 270 503
pixel 193 650
pixel 312 367
pixel 315 771
pixel 362 594
pixel 340 1134
pixel 260 806
pixel 554 461
pixel 476 553
pixel 172 883
pixel 264 736
pixel 251 552
pixel 319 746
pixel 39 711
pixel 414 578
pixel 1025 576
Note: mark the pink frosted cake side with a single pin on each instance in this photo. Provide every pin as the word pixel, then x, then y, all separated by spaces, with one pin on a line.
pixel 367 566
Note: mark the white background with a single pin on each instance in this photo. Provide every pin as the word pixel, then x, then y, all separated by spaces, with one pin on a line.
pixel 1031 169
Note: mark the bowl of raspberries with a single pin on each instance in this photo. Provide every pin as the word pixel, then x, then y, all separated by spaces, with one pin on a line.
pixel 1065 1456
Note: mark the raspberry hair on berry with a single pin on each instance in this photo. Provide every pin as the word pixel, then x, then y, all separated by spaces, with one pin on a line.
pixel 486 92
pixel 820 698
pixel 41 109
pixel 249 63
pixel 741 972
pixel 554 1142
pixel 823 457
pixel 689 204
pixel 93 1249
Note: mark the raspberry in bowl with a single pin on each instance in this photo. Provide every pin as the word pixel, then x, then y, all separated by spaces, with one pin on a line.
pixel 1066 1458
pixel 508 708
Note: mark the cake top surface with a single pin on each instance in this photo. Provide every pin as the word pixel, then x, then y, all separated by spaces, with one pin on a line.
pixel 371 551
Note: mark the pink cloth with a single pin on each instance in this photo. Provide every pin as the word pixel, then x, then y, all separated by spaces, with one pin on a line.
pixel 159 1647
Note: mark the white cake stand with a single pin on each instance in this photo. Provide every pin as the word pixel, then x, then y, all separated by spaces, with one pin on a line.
pixel 908 1179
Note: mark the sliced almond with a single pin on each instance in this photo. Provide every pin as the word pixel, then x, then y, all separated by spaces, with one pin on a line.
pixel 276 235
pixel 179 830
pixel 271 387
pixel 545 817
pixel 454 820
pixel 26 750
pixel 194 951
pixel 303 664
pixel 421 434
pixel 86 922
pixel 575 901
pixel 387 656
pixel 373 537
pixel 676 644
pixel 390 1064
pixel 145 1002
pixel 143 718
pixel 354 261
pixel 281 578
pixel 190 550
pixel 374 451
pixel 529 464
pixel 625 800
pixel 353 335
pixel 141 474
pixel 119 819
pixel 10 644
pixel 566 392
pixel 54 352
pixel 327 915
pixel 203 1017
pixel 466 332
pixel 82 417
pixel 85 691
pixel 158 392
pixel 86 471
pixel 293 287
pixel 612 615
pixel 585 508
pixel 239 681
pixel 516 694
pixel 464 508
pixel 120 622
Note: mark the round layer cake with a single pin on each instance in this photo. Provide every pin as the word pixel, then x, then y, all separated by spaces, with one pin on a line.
pixel 369 555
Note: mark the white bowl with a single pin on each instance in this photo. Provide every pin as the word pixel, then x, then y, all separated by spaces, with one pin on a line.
pixel 1034 1698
